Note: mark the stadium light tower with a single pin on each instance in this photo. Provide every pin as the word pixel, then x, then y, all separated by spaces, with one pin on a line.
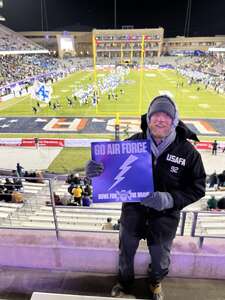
pixel 187 19
pixel 115 25
pixel 1 5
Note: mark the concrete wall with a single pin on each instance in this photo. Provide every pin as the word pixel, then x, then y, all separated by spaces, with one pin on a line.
pixel 97 252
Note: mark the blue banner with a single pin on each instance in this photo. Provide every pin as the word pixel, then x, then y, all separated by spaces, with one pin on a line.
pixel 127 175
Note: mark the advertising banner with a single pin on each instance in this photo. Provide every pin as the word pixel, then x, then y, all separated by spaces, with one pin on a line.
pixel 42 142
pixel 51 142
pixel 127 175
pixel 204 145
pixel 28 142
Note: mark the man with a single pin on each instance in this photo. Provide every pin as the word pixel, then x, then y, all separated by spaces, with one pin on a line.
pixel 179 180
pixel 19 170
pixel 36 142
pixel 34 109
pixel 77 194
pixel 108 225
pixel 214 147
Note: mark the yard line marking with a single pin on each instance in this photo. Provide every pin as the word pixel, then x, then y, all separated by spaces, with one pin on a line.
pixel 203 105
pixel 150 75
pixel 166 92
pixel 193 97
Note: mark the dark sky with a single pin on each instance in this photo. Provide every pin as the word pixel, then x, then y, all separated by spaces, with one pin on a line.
pixel 207 16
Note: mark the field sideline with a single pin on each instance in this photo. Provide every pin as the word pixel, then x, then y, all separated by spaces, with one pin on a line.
pixel 191 103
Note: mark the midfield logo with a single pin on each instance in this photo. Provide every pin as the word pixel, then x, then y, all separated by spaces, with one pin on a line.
pixel 65 124
pixel 203 127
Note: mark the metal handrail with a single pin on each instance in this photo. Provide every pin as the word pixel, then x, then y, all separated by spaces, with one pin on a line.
pixel 50 180
pixel 194 225
pixel 183 220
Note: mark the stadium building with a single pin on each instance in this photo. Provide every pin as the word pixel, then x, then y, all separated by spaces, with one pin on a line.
pixel 106 48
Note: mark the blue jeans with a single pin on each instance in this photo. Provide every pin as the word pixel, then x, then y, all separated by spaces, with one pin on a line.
pixel 160 258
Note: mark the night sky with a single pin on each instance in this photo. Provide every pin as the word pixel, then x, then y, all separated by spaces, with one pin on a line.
pixel 207 16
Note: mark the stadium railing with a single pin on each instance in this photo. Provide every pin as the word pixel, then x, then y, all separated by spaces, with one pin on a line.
pixel 198 218
pixel 200 224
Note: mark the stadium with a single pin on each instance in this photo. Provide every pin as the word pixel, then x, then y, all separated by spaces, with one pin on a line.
pixel 60 93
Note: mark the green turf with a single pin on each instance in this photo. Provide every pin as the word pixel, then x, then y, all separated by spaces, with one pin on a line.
pixel 191 103
pixel 70 160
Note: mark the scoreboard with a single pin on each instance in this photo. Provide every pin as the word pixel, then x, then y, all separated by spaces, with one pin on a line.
pixel 66 44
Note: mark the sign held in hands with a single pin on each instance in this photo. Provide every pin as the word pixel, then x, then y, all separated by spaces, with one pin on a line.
pixel 127 175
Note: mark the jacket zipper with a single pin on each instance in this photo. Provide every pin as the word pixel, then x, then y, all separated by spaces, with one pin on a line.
pixel 154 161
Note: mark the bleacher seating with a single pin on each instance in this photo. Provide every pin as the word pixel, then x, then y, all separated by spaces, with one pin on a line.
pixel 208 70
pixel 14 68
pixel 73 218
pixel 12 41
pixel 211 223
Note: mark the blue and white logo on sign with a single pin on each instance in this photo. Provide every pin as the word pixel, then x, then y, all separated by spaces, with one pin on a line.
pixel 124 162
pixel 124 169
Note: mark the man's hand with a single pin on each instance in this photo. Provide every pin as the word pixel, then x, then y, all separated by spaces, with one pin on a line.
pixel 94 168
pixel 158 201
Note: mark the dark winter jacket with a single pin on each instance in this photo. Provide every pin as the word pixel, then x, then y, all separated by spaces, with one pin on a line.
pixel 179 171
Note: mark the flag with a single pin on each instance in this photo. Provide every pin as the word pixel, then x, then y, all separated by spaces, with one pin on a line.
pixel 41 91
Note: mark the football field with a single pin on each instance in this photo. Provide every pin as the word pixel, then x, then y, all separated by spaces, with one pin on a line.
pixel 194 101
pixel 133 100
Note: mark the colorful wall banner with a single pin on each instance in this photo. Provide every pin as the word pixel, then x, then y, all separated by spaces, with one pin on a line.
pixel 42 142
pixel 127 175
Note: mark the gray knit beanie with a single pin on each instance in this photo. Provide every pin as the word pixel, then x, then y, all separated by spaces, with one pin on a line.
pixel 162 104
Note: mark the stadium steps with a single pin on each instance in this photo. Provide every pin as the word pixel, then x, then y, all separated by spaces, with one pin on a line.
pixel 35 207
pixel 35 195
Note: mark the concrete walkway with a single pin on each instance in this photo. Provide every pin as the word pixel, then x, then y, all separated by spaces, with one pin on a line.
pixel 213 162
pixel 30 158
pixel 18 284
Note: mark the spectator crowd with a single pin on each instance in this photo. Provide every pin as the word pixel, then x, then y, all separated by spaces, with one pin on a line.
pixel 10 190
pixel 12 41
pixel 216 181
pixel 14 68
pixel 208 70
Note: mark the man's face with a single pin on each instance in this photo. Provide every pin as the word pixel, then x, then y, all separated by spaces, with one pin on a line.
pixel 160 125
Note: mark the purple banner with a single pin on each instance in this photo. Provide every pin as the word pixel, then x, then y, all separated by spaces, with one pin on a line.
pixel 127 175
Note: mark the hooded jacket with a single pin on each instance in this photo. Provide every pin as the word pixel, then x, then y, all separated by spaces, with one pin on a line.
pixel 178 170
